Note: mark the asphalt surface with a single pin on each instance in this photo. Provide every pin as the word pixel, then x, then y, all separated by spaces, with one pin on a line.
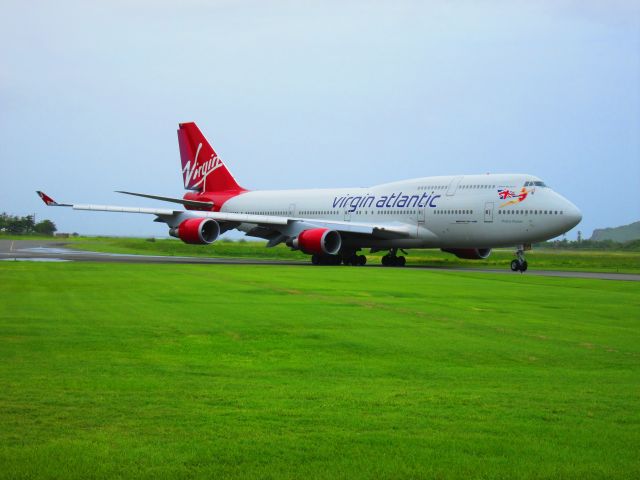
pixel 56 251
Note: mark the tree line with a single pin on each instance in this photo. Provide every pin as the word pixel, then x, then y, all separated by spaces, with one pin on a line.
pixel 27 225
pixel 632 245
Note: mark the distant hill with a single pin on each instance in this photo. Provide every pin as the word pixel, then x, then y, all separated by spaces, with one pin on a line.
pixel 624 233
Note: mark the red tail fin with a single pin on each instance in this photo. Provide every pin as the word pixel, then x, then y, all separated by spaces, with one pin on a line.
pixel 202 169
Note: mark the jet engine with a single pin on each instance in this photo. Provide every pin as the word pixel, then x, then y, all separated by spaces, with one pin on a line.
pixel 469 253
pixel 197 231
pixel 318 240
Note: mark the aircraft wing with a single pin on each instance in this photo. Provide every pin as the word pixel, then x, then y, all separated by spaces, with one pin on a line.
pixel 284 226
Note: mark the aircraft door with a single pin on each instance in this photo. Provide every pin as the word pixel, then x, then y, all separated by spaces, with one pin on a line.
pixel 292 210
pixel 453 186
pixel 488 212
pixel 347 215
pixel 421 217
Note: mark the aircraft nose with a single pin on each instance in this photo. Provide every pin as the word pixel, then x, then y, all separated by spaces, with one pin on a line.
pixel 573 215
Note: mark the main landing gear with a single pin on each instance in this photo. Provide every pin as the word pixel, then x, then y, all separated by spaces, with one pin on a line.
pixel 348 258
pixel 351 257
pixel 355 260
pixel 318 259
pixel 519 264
pixel 391 259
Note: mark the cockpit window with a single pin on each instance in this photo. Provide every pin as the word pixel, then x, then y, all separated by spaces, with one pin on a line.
pixel 537 183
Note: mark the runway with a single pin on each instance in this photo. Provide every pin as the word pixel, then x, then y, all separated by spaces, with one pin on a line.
pixel 44 251
pixel 57 251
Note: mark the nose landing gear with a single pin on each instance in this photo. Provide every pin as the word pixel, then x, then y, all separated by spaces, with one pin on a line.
pixel 520 264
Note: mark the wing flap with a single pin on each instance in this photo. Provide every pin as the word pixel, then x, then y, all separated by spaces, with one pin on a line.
pixel 115 208
pixel 165 212
pixel 387 231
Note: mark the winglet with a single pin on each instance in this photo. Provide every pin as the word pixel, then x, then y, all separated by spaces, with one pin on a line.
pixel 50 202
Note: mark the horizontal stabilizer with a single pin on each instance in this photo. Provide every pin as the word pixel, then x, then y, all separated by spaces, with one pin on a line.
pixel 186 203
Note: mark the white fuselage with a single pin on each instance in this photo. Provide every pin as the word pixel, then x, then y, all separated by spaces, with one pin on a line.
pixel 475 211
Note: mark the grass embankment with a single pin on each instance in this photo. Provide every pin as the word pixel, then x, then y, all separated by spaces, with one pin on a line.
pixel 542 259
pixel 155 371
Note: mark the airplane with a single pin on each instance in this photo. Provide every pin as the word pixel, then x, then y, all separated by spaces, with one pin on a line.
pixel 465 215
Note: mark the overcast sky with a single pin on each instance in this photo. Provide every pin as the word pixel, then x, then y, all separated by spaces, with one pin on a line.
pixel 316 94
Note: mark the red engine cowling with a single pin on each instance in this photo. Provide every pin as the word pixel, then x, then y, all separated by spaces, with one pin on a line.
pixel 318 240
pixel 197 231
pixel 469 253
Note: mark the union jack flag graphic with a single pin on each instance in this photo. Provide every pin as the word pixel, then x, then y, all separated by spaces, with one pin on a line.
pixel 506 193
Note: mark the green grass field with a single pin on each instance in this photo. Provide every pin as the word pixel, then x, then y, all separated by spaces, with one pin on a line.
pixel 542 259
pixel 182 371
